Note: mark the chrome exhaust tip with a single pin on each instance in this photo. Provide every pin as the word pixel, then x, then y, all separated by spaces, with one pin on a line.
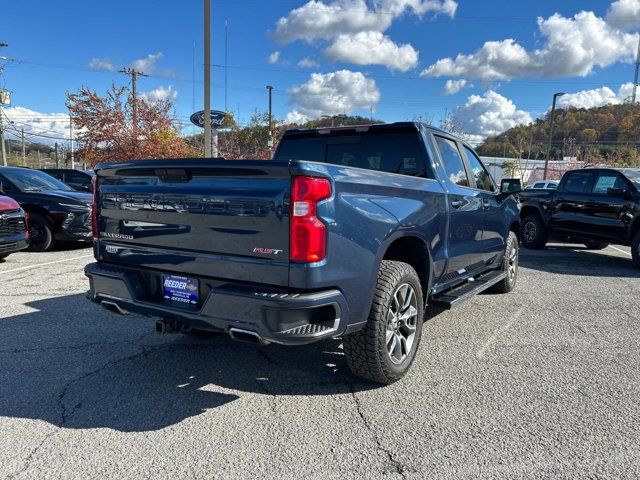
pixel 247 336
pixel 113 307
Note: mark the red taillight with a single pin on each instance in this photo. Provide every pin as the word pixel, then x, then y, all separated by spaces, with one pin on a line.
pixel 308 233
pixel 94 209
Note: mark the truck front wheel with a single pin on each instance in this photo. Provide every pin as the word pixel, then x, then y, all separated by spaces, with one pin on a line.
pixel 385 348
pixel 534 233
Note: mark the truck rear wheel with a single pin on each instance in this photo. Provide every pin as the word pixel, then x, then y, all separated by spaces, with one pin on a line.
pixel 534 233
pixel 385 348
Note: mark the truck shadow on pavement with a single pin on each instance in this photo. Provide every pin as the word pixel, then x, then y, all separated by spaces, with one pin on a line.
pixel 577 260
pixel 70 363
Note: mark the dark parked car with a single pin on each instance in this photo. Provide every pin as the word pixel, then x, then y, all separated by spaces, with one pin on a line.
pixel 347 233
pixel 55 211
pixel 13 231
pixel 80 180
pixel 596 206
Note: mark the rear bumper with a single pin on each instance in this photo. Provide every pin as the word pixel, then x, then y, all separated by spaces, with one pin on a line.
pixel 276 315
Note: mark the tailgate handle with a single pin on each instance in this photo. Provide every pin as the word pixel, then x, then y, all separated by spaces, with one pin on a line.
pixel 174 175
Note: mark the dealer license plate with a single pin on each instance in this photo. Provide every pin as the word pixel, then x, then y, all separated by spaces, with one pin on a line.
pixel 180 290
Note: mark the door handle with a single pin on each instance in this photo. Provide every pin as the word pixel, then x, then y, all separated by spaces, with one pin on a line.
pixel 457 203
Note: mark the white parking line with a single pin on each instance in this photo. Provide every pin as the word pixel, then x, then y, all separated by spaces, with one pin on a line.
pixel 621 251
pixel 44 264
pixel 498 332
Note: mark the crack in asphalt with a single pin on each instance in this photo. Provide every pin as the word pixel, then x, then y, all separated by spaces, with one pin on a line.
pixel 396 464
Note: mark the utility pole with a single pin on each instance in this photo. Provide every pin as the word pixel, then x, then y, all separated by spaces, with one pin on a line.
pixel 270 143
pixel 57 155
pixel 134 74
pixel 553 114
pixel 73 160
pixel 207 78
pixel 635 78
pixel 24 155
pixel 226 58
pixel 3 153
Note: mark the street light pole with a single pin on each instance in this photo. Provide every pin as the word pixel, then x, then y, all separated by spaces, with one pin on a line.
pixel 207 78
pixel 553 114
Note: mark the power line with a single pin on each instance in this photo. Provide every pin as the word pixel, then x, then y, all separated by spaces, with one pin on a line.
pixel 294 71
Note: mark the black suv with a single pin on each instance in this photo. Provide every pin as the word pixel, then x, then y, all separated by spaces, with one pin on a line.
pixel 81 180
pixel 55 211
pixel 597 206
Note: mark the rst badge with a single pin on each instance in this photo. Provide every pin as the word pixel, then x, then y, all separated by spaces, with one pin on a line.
pixel 267 251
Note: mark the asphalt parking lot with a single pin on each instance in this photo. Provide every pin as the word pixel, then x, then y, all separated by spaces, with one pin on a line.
pixel 541 383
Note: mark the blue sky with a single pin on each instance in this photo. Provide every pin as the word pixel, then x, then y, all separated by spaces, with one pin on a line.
pixel 386 47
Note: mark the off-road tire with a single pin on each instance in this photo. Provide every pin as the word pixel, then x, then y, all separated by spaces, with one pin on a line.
pixel 635 249
pixel 509 266
pixel 595 244
pixel 43 240
pixel 3 256
pixel 366 350
pixel 534 233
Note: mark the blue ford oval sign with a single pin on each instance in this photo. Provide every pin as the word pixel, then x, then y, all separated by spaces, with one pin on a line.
pixel 217 117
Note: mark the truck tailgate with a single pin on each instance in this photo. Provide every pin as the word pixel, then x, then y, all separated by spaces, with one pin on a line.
pixel 221 219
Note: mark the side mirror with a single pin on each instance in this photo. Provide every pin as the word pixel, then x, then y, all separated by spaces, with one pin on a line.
pixel 617 192
pixel 510 185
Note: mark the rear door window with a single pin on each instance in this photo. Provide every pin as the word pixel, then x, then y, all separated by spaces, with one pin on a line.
pixel 578 182
pixel 452 161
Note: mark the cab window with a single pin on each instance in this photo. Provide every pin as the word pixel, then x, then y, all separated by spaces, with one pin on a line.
pixel 452 161
pixel 479 172
pixel 608 180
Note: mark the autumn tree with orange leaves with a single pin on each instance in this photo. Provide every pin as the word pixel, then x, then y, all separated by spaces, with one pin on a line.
pixel 106 133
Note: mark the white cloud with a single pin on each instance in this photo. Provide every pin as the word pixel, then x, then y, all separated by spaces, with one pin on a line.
pixel 597 97
pixel 624 14
pixel 452 87
pixel 307 62
pixel 332 93
pixel 102 64
pixel 145 65
pixel 160 93
pixel 48 124
pixel 295 117
pixel 573 47
pixel 489 114
pixel 274 57
pixel 372 48
pixel 319 20
pixel 148 64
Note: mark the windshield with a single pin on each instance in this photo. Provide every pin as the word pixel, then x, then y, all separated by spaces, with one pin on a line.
pixel 34 181
pixel 633 175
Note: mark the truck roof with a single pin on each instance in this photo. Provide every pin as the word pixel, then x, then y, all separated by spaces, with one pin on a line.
pixel 381 127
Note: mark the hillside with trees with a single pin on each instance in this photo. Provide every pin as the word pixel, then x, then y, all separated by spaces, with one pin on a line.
pixel 603 135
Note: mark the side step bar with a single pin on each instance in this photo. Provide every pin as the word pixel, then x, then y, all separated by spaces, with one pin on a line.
pixel 458 295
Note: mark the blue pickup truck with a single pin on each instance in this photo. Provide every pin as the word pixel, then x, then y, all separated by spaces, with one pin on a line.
pixel 348 232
